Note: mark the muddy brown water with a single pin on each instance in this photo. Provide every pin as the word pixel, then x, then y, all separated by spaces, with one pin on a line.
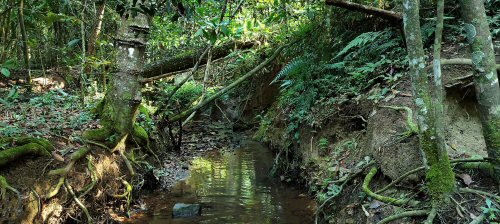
pixel 233 187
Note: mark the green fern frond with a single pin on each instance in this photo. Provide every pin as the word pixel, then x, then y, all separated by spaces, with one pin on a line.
pixel 360 41
pixel 295 66
pixel 334 66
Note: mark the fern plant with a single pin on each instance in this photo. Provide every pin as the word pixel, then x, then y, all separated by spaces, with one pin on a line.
pixel 294 67
pixel 360 41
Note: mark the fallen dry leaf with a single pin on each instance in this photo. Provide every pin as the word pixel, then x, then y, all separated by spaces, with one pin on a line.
pixel 57 157
pixel 466 178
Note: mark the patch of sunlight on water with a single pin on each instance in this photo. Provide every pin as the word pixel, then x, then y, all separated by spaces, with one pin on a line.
pixel 234 187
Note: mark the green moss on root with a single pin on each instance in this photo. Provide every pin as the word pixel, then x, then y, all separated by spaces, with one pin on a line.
pixel 98 108
pixel 26 140
pixel 98 135
pixel 141 135
pixel 14 153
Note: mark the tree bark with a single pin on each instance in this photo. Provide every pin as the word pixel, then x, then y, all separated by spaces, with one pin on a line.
pixel 24 37
pixel 440 177
pixel 188 59
pixel 96 31
pixel 122 100
pixel 385 14
pixel 486 77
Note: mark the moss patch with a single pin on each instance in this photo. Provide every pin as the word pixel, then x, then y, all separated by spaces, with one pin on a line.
pixel 14 153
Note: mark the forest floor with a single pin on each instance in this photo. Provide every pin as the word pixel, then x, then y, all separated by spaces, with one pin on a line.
pixel 61 117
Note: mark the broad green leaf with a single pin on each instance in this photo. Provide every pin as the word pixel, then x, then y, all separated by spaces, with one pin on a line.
pixel 5 72
pixel 73 43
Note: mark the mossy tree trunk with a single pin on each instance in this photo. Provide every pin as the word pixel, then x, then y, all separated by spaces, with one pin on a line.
pixel 120 105
pixel 486 77
pixel 439 175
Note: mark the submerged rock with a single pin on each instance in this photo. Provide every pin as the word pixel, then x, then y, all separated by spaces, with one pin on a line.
pixel 182 210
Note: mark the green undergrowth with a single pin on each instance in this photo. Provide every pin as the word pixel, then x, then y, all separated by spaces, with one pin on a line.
pixel 49 113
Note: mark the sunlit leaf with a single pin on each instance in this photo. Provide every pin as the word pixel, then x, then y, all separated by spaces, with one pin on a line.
pixel 5 72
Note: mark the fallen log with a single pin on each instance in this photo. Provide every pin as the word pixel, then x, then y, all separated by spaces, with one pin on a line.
pixel 384 14
pixel 228 88
pixel 188 60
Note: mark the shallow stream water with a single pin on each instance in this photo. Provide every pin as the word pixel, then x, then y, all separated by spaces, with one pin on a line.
pixel 234 187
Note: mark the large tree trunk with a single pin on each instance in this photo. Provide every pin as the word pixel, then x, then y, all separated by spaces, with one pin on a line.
pixel 440 177
pixel 120 105
pixel 486 77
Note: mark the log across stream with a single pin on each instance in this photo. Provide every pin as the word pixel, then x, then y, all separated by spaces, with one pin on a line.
pixel 233 187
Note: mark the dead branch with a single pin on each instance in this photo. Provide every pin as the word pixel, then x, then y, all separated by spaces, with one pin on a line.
pixel 384 14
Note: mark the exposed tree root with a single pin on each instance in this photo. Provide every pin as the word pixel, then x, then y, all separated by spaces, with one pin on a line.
pixel 484 167
pixel 98 135
pixel 26 146
pixel 55 189
pixel 343 181
pixel 456 61
pixel 141 134
pixel 97 144
pixel 63 172
pixel 93 177
pixel 128 190
pixel 483 193
pixel 4 186
pixel 73 158
pixel 127 195
pixel 127 163
pixel 78 202
pixel 431 216
pixel 412 126
pixel 404 215
pixel 385 199
pixel 120 148
pixel 402 177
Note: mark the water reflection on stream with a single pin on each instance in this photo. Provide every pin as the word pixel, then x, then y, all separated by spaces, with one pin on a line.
pixel 234 187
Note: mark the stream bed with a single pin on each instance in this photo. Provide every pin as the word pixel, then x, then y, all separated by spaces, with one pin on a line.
pixel 233 187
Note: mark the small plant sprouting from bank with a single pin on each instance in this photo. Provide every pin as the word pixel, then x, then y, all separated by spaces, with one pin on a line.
pixel 323 144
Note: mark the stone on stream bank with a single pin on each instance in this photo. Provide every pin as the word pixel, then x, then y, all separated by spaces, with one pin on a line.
pixel 182 210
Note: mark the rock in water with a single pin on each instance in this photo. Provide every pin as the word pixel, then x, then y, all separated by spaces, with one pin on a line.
pixel 182 210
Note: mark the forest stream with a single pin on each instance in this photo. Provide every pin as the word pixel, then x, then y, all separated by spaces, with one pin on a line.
pixel 233 187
